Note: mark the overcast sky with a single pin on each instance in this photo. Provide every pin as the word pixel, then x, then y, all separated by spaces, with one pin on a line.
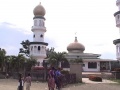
pixel 93 21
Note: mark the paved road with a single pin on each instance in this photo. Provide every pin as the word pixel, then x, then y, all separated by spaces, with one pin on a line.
pixel 12 85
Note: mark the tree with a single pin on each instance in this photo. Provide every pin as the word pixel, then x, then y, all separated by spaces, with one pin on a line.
pixel 49 51
pixel 2 59
pixel 25 48
pixel 29 63
pixel 78 60
pixel 56 57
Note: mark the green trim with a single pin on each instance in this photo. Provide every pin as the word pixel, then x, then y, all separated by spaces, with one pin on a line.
pixel 118 12
pixel 43 43
pixel 39 17
pixel 116 41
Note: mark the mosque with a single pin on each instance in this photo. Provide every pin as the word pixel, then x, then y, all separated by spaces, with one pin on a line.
pixel 91 62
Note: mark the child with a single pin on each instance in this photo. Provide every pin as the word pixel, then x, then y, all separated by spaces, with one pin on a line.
pixel 20 82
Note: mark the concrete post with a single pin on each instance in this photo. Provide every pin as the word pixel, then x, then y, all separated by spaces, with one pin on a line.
pixel 76 68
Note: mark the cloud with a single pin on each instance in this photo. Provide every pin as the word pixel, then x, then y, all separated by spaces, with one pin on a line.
pixel 12 37
pixel 14 27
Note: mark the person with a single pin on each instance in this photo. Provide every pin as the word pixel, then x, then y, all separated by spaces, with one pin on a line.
pixel 51 82
pixel 28 81
pixel 20 82
pixel 58 78
pixel 51 78
pixel 7 75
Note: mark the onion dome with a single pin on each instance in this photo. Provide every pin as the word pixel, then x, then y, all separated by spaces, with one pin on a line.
pixel 75 46
pixel 39 10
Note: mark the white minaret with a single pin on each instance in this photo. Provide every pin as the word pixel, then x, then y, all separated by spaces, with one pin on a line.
pixel 117 41
pixel 38 46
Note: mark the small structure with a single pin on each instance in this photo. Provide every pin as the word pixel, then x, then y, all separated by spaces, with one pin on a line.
pixel 74 67
pixel 91 62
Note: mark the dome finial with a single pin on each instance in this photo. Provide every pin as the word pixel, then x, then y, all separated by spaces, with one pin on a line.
pixel 40 3
pixel 76 37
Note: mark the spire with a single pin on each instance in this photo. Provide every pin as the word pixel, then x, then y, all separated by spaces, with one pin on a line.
pixel 76 39
pixel 40 3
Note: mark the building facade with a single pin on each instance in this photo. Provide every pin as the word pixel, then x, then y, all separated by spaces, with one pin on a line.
pixel 91 62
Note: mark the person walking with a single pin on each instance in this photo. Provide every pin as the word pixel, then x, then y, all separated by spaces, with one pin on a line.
pixel 51 79
pixel 58 80
pixel 20 82
pixel 28 81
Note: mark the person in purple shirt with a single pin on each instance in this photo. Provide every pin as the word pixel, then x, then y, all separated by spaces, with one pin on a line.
pixel 58 78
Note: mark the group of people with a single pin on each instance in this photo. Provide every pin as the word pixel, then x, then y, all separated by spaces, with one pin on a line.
pixel 22 80
pixel 54 79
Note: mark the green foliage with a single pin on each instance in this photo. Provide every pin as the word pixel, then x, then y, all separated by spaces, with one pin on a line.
pixel 2 58
pixel 29 63
pixel 79 60
pixel 115 80
pixel 54 58
pixel 25 47
pixel 65 72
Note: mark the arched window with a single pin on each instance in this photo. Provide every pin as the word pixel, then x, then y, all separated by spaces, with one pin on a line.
pixel 31 48
pixel 118 17
pixel 39 23
pixel 34 35
pixel 35 22
pixel 43 24
pixel 38 47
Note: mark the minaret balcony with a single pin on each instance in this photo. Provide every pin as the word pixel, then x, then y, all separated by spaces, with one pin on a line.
pixel 38 28
pixel 38 55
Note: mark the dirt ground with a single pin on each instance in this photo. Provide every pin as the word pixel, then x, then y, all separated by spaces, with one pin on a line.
pixel 11 84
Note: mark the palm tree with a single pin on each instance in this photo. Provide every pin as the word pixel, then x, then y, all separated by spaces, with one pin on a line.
pixel 21 62
pixel 56 58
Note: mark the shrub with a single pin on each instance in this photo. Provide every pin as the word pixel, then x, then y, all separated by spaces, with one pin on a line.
pixel 95 78
pixel 117 69
pixel 37 68
pixel 65 72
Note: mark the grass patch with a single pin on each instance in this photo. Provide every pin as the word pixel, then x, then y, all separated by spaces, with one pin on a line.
pixel 74 84
pixel 115 80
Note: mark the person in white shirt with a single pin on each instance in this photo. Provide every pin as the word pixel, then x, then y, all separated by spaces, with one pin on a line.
pixel 28 82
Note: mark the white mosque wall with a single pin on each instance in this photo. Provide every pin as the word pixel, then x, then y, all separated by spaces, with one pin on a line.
pixel 38 50
pixel 118 51
pixel 38 36
pixel 85 67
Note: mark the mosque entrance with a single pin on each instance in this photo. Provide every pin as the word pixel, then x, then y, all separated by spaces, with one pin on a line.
pixel 104 65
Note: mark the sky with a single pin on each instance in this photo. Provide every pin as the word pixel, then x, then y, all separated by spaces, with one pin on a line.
pixel 92 20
